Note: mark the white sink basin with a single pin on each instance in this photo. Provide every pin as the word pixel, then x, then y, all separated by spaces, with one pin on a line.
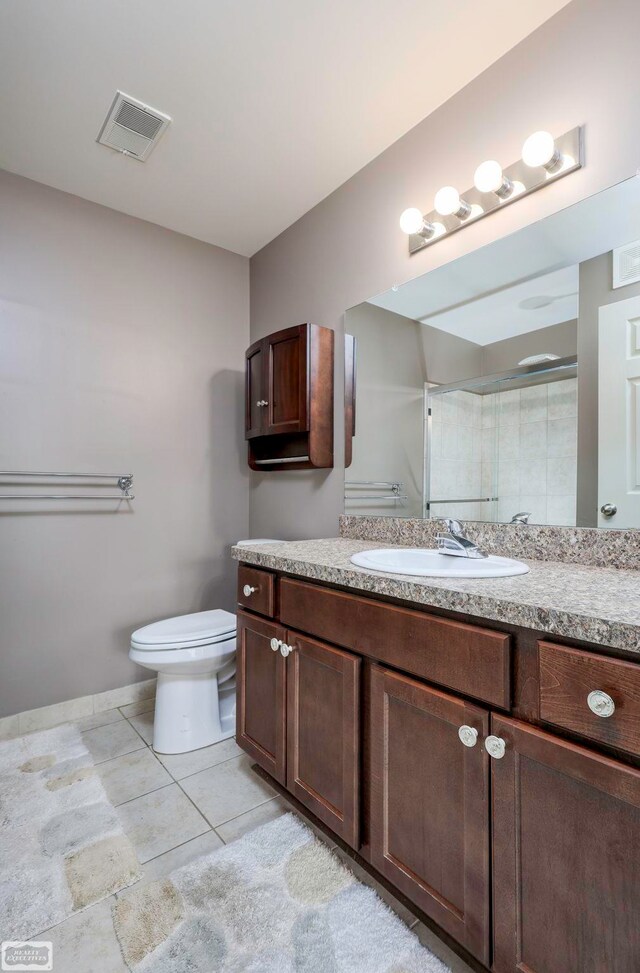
pixel 430 563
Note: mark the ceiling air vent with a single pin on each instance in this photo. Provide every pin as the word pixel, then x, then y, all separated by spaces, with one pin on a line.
pixel 626 264
pixel 131 127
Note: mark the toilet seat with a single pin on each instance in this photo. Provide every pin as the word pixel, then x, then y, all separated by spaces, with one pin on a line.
pixel 186 632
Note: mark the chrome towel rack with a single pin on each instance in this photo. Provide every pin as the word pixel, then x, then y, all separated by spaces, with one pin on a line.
pixel 123 480
pixel 396 490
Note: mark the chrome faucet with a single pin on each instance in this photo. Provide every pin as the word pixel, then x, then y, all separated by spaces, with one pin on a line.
pixel 521 518
pixel 454 541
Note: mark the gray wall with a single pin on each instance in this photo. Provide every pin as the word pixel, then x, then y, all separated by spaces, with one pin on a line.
pixel 389 410
pixel 595 292
pixel 575 69
pixel 558 339
pixel 121 350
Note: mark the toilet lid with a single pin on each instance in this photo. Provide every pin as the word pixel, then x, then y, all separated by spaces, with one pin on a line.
pixel 201 627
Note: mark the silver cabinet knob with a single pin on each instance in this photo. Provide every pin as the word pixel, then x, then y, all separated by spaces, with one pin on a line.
pixel 608 510
pixel 601 703
pixel 468 735
pixel 286 649
pixel 275 644
pixel 264 402
pixel 247 591
pixel 495 747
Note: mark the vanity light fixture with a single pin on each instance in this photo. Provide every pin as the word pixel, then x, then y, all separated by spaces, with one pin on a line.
pixel 543 161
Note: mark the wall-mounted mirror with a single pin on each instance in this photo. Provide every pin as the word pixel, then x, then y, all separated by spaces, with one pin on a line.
pixel 506 384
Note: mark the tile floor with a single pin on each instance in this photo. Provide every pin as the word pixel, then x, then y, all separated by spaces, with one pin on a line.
pixel 175 808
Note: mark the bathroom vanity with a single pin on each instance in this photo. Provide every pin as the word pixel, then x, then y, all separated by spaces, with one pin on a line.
pixel 476 742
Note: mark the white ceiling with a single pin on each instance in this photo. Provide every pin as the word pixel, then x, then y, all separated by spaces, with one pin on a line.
pixel 275 103
pixel 508 311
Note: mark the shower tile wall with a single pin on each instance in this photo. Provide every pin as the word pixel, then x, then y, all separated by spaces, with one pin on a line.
pixel 529 449
pixel 519 445
pixel 456 455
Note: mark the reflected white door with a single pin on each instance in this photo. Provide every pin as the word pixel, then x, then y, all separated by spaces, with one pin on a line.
pixel 619 414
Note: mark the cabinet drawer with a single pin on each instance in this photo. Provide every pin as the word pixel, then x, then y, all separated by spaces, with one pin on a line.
pixel 567 677
pixel 471 660
pixel 257 590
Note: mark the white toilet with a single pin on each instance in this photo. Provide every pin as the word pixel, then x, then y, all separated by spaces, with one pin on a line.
pixel 195 658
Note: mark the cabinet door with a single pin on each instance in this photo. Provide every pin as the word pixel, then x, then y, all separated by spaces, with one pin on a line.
pixel 429 826
pixel 323 733
pixel 261 698
pixel 286 381
pixel 566 857
pixel 254 390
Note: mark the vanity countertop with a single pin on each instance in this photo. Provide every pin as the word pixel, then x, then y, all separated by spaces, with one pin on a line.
pixel 599 605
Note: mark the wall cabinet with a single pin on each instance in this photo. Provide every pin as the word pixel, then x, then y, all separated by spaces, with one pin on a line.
pixel 289 399
pixel 520 843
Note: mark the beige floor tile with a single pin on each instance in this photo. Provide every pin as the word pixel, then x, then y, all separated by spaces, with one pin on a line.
pixel 86 942
pixel 160 821
pixel 99 719
pixel 140 706
pixel 182 765
pixel 225 791
pixel 429 939
pixel 132 775
pixel 161 866
pixel 107 742
pixel 143 723
pixel 237 827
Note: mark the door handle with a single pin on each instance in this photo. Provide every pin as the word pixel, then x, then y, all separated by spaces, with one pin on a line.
pixel 608 510
pixel 275 644
pixel 286 649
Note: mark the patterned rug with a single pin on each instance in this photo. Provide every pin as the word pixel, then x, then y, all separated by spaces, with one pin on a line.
pixel 62 846
pixel 275 901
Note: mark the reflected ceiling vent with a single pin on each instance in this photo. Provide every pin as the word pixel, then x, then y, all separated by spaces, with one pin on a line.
pixel 131 127
pixel 626 264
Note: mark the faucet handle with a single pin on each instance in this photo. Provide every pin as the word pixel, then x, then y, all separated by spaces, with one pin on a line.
pixel 453 526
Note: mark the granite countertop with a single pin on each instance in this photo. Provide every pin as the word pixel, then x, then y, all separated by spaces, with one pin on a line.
pixel 596 604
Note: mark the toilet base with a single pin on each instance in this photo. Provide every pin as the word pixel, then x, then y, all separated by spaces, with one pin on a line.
pixel 187 714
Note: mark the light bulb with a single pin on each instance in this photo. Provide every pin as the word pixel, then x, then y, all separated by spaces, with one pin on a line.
pixel 489 178
pixel 540 150
pixel 411 220
pixel 447 202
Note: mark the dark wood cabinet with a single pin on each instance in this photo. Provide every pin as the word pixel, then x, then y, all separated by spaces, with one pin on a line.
pixel 254 411
pixel 323 733
pixel 566 856
pixel 429 814
pixel 520 844
pixel 289 399
pixel 262 694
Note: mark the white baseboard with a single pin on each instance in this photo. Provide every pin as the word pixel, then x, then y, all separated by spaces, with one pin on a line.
pixel 74 709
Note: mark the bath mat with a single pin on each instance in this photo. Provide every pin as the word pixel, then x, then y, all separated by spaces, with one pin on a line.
pixel 62 846
pixel 275 901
